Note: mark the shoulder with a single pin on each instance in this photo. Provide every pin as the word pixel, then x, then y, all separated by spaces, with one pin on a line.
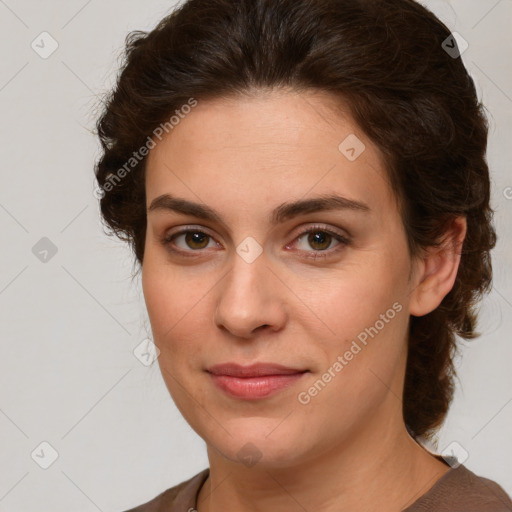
pixel 461 490
pixel 181 497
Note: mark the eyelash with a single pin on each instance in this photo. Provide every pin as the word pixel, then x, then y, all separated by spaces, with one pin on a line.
pixel 319 254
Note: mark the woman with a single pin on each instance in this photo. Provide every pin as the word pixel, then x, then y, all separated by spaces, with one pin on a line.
pixel 304 186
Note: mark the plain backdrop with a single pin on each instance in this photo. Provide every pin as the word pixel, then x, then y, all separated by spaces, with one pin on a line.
pixel 73 396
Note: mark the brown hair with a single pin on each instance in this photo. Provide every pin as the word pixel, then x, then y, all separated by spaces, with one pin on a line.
pixel 414 100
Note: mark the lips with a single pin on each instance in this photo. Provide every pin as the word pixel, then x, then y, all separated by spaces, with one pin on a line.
pixel 253 382
pixel 254 370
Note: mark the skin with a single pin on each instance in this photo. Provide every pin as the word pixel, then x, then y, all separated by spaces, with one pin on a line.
pixel 348 447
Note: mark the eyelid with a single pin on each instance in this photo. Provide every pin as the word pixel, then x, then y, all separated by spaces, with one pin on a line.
pixel 186 228
pixel 336 232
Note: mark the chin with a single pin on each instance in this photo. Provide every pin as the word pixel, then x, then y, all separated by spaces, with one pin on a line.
pixel 254 444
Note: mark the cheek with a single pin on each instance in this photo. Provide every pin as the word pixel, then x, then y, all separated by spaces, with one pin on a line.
pixel 158 296
pixel 364 308
pixel 175 301
pixel 355 297
pixel 168 294
pixel 178 325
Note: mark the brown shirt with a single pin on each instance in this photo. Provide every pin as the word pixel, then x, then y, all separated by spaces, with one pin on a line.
pixel 458 490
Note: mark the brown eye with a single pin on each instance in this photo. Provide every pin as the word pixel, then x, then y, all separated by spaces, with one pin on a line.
pixel 196 239
pixel 188 241
pixel 319 240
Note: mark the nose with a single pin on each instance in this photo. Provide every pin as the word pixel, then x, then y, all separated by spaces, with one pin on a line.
pixel 251 299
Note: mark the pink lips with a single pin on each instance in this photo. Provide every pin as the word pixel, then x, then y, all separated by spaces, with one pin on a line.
pixel 255 381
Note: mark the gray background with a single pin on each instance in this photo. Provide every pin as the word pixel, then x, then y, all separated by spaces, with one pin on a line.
pixel 68 375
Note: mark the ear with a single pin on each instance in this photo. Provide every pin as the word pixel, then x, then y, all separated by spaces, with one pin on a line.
pixel 436 270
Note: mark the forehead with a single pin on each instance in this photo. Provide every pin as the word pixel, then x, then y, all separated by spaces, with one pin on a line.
pixel 266 149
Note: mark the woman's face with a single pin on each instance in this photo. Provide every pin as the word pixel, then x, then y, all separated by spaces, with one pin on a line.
pixel 248 284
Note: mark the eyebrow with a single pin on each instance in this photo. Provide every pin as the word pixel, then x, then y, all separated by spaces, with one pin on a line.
pixel 283 212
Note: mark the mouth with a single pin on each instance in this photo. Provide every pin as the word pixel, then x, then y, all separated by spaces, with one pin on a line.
pixel 254 382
